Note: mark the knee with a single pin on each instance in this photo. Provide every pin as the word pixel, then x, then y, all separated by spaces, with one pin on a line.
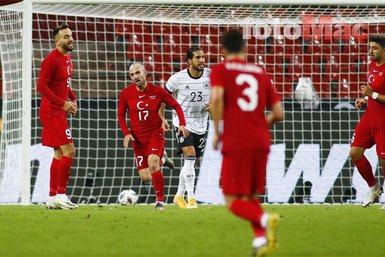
pixel 153 163
pixel 71 152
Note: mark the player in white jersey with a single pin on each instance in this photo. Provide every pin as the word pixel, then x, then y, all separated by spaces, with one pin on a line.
pixel 191 88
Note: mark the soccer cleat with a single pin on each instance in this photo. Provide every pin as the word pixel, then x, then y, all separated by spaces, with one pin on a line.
pixel 192 204
pixel 63 202
pixel 167 161
pixel 159 206
pixel 180 201
pixel 374 192
pixel 382 207
pixel 50 204
pixel 260 251
pixel 260 247
pixel 272 231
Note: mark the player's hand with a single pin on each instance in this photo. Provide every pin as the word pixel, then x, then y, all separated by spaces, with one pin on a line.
pixel 184 131
pixel 69 107
pixel 216 140
pixel 127 140
pixel 74 111
pixel 165 125
pixel 360 102
pixel 366 90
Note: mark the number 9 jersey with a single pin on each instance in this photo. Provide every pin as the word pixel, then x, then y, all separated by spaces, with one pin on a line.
pixel 248 91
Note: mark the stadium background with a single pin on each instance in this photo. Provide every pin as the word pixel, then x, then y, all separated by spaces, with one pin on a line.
pixel 336 66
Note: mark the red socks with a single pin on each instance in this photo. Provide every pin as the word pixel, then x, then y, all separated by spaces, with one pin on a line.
pixel 53 176
pixel 63 174
pixel 251 211
pixel 365 169
pixel 158 183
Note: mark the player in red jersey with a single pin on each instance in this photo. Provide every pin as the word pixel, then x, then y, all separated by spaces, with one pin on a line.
pixel 370 129
pixel 142 101
pixel 241 92
pixel 56 102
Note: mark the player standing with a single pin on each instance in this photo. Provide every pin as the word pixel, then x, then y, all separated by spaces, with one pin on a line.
pixel 191 88
pixel 142 101
pixel 241 92
pixel 54 86
pixel 370 129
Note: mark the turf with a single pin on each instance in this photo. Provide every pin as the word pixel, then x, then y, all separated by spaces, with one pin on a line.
pixel 306 230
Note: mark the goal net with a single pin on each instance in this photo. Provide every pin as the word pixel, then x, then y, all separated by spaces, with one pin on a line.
pixel 317 56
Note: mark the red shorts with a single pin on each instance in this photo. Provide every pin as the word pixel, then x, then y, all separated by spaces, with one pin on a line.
pixel 244 173
pixel 366 137
pixel 155 145
pixel 55 132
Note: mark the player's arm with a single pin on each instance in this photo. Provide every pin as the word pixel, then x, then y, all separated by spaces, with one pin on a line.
pixel 165 124
pixel 275 114
pixel 171 102
pixel 122 110
pixel 72 96
pixel 217 106
pixel 46 74
pixel 368 91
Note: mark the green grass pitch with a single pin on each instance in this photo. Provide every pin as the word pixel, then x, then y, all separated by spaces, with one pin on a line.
pixel 306 230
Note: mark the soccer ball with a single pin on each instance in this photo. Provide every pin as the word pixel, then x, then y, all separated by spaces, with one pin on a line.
pixel 128 197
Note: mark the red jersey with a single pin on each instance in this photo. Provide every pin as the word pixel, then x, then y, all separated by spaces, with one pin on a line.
pixel 247 92
pixel 143 110
pixel 375 111
pixel 54 83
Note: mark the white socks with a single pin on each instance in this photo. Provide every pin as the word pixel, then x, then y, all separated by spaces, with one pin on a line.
pixel 187 178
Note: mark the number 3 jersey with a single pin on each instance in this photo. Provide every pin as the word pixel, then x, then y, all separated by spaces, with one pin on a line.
pixel 143 110
pixel 193 94
pixel 247 92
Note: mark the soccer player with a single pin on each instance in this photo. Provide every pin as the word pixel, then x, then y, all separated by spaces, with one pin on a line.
pixel 142 101
pixel 370 129
pixel 57 101
pixel 241 92
pixel 191 88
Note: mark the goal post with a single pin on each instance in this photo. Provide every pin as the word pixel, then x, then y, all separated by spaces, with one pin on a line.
pixel 315 54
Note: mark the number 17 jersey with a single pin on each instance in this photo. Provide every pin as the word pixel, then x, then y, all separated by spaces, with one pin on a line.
pixel 247 92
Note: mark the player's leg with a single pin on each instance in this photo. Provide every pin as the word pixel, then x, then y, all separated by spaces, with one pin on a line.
pixel 188 171
pixel 179 196
pixel 167 161
pixel 64 170
pixel 155 151
pixel 362 139
pixel 50 204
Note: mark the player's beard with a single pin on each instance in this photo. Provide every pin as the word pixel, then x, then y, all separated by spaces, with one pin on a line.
pixel 199 67
pixel 68 48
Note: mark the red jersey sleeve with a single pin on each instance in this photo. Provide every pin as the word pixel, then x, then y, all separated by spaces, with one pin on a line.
pixel 71 95
pixel 47 71
pixel 216 76
pixel 272 96
pixel 170 101
pixel 122 110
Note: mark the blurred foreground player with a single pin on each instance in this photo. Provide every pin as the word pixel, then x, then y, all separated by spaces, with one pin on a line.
pixel 241 92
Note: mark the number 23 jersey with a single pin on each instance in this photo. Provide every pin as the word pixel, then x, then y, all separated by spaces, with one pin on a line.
pixel 247 92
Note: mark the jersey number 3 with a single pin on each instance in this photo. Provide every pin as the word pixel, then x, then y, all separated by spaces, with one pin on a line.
pixel 251 91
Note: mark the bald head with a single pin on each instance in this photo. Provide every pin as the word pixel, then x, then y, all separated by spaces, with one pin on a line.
pixel 138 75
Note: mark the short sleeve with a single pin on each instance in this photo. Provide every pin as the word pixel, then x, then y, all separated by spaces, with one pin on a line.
pixel 171 84
pixel 217 76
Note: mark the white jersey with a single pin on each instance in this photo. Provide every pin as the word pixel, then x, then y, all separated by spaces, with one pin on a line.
pixel 193 94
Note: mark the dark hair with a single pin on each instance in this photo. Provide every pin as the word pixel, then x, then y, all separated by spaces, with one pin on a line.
pixel 379 39
pixel 190 52
pixel 232 41
pixel 58 28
